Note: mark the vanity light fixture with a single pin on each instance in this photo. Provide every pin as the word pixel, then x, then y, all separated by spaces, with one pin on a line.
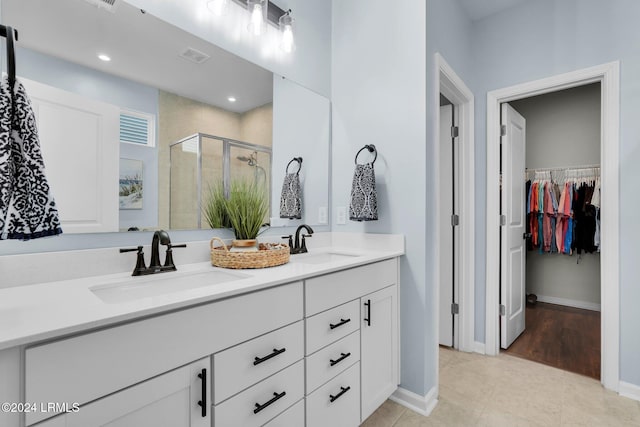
pixel 104 57
pixel 261 13
pixel 218 7
pixel 286 26
pixel 258 11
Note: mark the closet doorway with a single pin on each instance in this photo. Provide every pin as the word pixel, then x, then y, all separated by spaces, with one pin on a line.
pixel 454 183
pixel 448 204
pixel 555 138
pixel 607 75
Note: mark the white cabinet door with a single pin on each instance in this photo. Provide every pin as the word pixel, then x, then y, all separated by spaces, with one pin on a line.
pixel 379 348
pixel 170 400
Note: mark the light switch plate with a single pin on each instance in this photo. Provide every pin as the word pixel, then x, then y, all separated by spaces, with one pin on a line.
pixel 341 215
pixel 322 215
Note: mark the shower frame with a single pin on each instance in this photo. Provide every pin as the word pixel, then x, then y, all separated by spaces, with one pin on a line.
pixel 227 143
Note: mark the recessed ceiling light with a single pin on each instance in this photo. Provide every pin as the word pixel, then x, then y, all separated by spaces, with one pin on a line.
pixel 103 57
pixel 231 99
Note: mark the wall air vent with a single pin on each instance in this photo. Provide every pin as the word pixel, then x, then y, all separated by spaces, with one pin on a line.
pixel 109 5
pixel 194 55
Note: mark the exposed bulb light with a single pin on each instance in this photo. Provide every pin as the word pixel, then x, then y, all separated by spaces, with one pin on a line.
pixel 231 99
pixel 258 11
pixel 218 7
pixel 286 26
pixel 104 57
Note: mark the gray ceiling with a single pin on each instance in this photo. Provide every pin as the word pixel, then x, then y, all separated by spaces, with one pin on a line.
pixel 142 47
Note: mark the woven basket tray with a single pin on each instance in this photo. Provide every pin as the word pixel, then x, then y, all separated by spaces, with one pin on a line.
pixel 262 258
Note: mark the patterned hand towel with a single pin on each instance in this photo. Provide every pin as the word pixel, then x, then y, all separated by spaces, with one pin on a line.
pixel 364 200
pixel 27 208
pixel 291 198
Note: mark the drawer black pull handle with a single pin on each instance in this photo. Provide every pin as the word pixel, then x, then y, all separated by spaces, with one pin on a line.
pixel 343 390
pixel 203 376
pixel 368 318
pixel 342 322
pixel 342 357
pixel 275 397
pixel 259 360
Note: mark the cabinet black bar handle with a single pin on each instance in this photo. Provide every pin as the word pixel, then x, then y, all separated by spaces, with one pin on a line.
pixel 259 360
pixel 342 322
pixel 275 397
pixel 368 318
pixel 343 390
pixel 203 403
pixel 342 357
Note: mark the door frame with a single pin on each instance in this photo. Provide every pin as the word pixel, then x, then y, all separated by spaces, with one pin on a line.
pixel 455 90
pixel 609 77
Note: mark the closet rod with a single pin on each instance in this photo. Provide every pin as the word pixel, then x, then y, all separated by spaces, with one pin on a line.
pixel 577 168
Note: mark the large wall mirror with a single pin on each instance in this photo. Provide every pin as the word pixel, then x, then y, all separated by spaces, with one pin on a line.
pixel 138 117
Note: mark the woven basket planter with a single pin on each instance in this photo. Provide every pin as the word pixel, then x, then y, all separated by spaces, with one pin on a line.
pixel 267 255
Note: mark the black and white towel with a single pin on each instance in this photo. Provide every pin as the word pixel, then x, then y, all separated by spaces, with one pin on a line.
pixel 364 200
pixel 27 209
pixel 291 198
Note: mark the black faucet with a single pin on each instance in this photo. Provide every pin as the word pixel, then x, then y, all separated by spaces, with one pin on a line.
pixel 300 246
pixel 160 237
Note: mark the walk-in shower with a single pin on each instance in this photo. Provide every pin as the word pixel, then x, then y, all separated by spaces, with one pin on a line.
pixel 199 161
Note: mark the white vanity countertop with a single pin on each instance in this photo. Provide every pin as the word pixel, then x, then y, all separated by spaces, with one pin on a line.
pixel 43 311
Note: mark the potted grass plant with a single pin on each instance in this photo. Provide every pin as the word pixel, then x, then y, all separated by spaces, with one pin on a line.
pixel 244 211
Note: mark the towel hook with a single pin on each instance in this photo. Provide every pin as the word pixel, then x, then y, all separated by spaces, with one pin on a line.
pixel 371 148
pixel 295 159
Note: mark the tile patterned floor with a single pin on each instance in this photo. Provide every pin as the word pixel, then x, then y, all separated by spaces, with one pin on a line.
pixel 478 390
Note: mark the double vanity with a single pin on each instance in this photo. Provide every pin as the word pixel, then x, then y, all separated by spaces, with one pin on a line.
pixel 313 342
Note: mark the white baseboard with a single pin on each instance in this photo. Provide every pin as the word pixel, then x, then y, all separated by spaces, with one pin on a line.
pixel 629 390
pixel 420 404
pixel 478 347
pixel 570 303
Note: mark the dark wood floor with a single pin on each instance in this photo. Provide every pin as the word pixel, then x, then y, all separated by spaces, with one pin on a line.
pixel 564 337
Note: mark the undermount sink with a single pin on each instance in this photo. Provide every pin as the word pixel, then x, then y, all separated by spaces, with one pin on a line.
pixel 161 284
pixel 322 257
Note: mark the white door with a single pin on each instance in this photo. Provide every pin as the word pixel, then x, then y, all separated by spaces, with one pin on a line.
pixel 80 146
pixel 446 247
pixel 379 348
pixel 512 272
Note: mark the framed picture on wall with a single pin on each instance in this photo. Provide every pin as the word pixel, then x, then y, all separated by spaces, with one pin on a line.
pixel 131 184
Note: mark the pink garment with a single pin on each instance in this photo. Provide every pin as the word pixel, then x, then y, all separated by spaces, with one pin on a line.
pixel 561 219
pixel 546 219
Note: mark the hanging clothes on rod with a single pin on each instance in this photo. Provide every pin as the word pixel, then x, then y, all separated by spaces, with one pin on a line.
pixel 27 208
pixel 563 209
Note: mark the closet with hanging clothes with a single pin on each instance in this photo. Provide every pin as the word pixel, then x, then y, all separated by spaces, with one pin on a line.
pixel 562 203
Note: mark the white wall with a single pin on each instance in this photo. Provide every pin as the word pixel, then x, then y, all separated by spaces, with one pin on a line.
pixel 309 65
pixel 548 37
pixel 378 97
pixel 383 93
pixel 563 129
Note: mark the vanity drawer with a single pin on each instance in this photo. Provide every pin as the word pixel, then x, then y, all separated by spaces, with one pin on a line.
pixel 331 325
pixel 237 368
pixel 241 409
pixel 331 360
pixel 89 366
pixel 337 403
pixel 324 292
pixel 292 417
